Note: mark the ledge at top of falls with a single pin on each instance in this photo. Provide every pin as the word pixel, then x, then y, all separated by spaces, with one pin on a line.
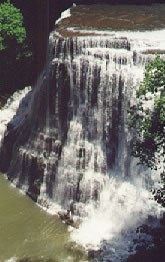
pixel 92 19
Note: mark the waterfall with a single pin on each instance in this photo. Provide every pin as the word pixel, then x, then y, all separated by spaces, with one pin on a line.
pixel 73 146
pixel 10 108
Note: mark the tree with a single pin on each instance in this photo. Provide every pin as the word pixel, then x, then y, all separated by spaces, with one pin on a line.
pixel 11 26
pixel 148 116
pixel 14 52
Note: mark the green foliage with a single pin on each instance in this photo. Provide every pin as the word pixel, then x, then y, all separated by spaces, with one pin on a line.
pixel 14 52
pixel 154 77
pixel 11 26
pixel 148 115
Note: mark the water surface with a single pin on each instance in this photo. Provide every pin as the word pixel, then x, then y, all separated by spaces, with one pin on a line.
pixel 113 18
pixel 28 231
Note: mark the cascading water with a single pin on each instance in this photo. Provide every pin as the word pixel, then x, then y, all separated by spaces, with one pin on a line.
pixel 73 145
pixel 10 109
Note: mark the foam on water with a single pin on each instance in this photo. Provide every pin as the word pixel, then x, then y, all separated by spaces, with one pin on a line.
pixel 124 205
pixel 12 259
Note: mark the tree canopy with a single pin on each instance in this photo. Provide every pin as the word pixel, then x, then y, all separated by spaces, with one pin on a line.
pixel 148 116
pixel 14 52
pixel 12 30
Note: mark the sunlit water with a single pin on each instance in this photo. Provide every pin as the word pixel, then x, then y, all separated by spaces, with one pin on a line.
pixel 28 231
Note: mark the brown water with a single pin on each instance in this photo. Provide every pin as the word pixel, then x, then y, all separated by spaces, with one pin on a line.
pixel 114 17
pixel 28 231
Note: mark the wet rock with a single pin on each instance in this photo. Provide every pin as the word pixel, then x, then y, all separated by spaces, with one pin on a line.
pixel 43 203
pixel 93 253
pixel 150 219
pixel 162 220
pixel 149 244
pixel 143 229
pixel 141 248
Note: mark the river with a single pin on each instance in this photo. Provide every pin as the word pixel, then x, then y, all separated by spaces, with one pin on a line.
pixel 28 231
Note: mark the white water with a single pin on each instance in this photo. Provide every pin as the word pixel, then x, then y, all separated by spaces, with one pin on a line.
pixel 123 206
pixel 64 15
pixel 9 110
